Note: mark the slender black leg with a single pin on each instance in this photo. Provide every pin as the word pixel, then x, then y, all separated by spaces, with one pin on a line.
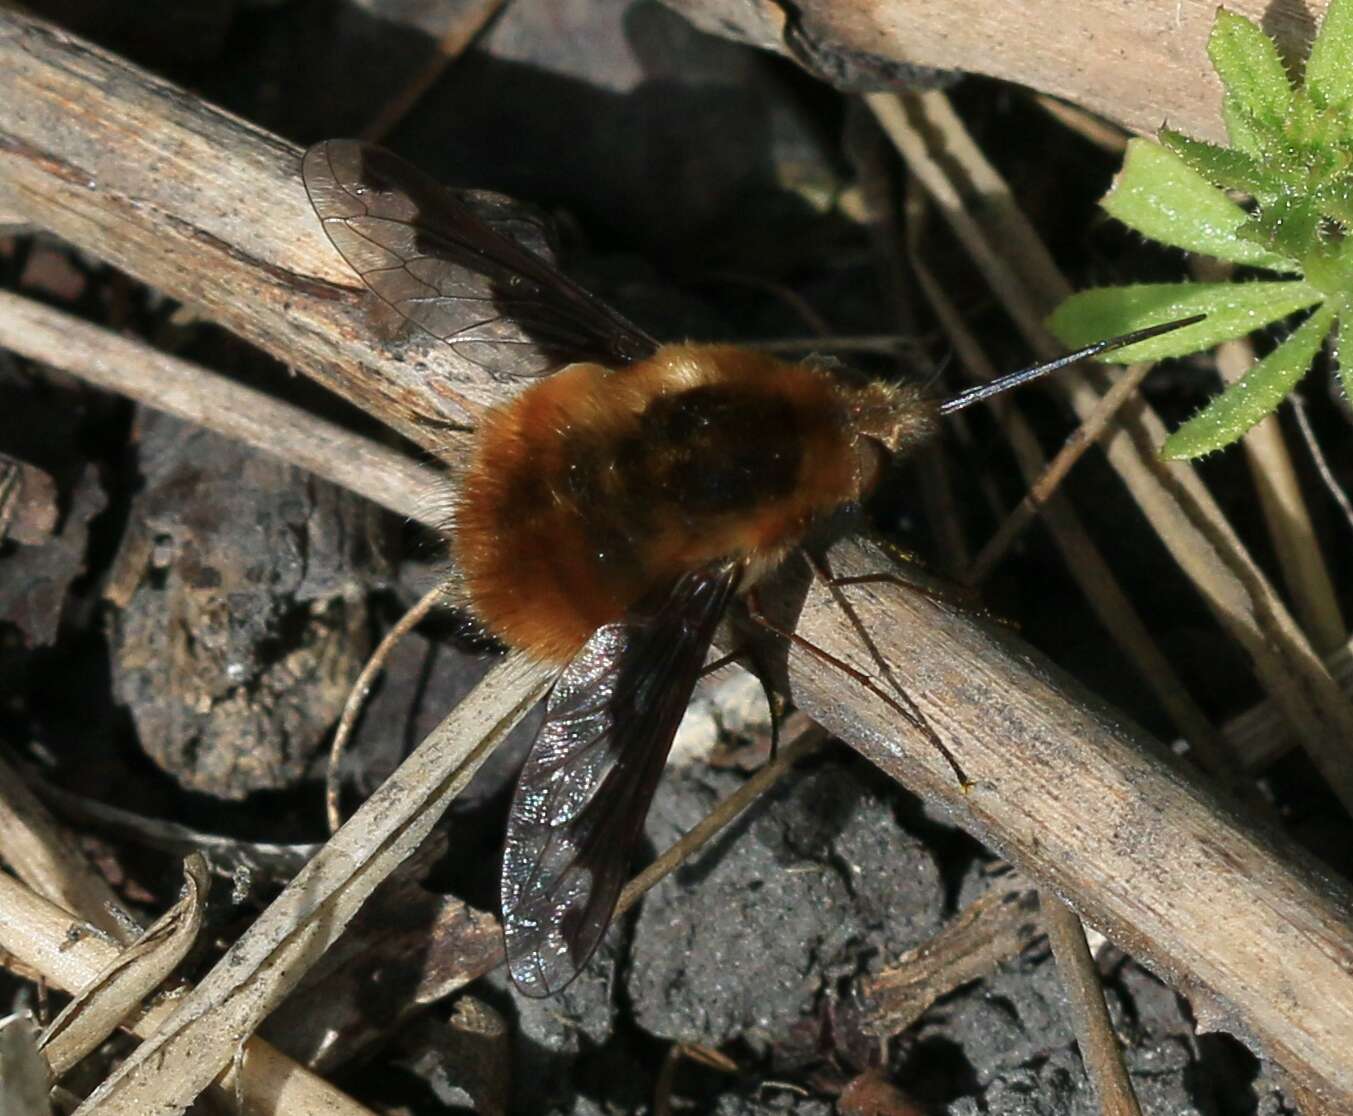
pixel 752 658
pixel 902 704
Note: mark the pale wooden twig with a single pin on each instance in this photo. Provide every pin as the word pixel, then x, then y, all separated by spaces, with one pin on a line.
pixel 1067 789
pixel 995 927
pixel 42 854
pixel 221 227
pixel 1141 63
pixel 69 956
pixel 133 368
pixel 192 1047
pixel 1099 1047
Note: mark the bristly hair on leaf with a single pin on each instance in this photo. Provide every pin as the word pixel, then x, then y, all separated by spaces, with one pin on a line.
pixel 1291 154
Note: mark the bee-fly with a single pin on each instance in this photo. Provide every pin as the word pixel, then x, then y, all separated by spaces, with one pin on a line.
pixel 609 513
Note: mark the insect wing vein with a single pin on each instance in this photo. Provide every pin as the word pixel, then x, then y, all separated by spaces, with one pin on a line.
pixel 436 262
pixel 587 784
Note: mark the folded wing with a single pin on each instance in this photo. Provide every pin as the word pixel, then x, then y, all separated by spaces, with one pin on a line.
pixel 587 784
pixel 458 274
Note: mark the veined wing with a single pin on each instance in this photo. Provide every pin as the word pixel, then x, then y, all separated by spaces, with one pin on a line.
pixel 458 274
pixel 589 779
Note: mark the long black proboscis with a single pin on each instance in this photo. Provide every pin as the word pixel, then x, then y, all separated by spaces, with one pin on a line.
pixel 1036 371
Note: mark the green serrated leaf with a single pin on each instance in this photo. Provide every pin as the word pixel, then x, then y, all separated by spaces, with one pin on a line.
pixel 1303 124
pixel 1248 63
pixel 1232 309
pixel 1223 167
pixel 1287 225
pixel 1254 396
pixel 1335 200
pixel 1329 69
pixel 1345 371
pixel 1241 129
pixel 1160 196
pixel 1330 269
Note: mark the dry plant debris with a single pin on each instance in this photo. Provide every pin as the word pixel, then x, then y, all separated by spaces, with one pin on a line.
pixel 833 943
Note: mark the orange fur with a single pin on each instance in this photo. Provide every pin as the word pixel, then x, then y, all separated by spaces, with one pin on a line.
pixel 583 494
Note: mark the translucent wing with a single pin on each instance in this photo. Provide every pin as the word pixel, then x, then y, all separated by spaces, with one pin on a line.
pixel 587 784
pixel 457 273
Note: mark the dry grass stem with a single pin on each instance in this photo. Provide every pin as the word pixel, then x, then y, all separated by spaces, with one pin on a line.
pixel 23 1071
pixel 464 23
pixel 1040 491
pixel 199 1041
pixel 226 855
pixel 42 854
pixel 996 927
pixel 1210 748
pixel 1322 465
pixel 1095 129
pixel 46 938
pixel 729 808
pixel 1289 523
pixel 1084 560
pixel 1280 500
pixel 358 694
pixel 112 997
pixel 1095 1035
pixel 1187 519
pixel 1261 735
pixel 190 392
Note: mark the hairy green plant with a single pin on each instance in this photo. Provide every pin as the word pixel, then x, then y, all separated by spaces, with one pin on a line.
pixel 1291 153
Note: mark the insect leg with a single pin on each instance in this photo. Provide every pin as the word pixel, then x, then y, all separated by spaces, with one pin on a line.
pixel 823 571
pixel 951 593
pixel 756 663
pixel 902 704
